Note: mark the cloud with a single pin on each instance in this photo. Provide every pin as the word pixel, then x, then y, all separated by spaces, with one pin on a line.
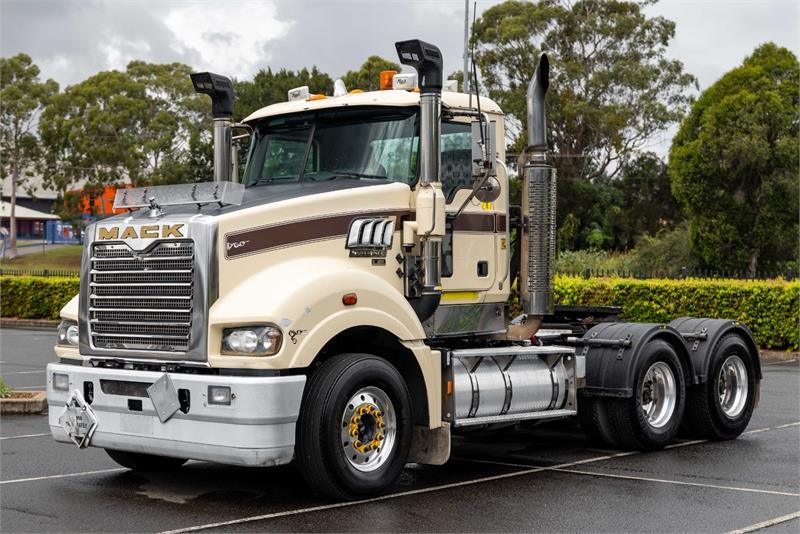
pixel 231 38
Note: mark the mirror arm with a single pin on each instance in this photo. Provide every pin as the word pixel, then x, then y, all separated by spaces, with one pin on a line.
pixel 472 193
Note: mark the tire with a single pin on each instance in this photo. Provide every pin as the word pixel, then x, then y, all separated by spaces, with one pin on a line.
pixel 593 417
pixel 638 424
pixel 350 393
pixel 150 463
pixel 707 414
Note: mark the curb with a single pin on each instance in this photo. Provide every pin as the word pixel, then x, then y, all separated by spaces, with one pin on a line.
pixel 32 324
pixel 24 402
pixel 775 356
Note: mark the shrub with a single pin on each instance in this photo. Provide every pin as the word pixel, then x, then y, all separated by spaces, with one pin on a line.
pixel 770 308
pixel 30 297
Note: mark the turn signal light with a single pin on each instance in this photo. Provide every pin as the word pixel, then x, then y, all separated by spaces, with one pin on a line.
pixel 349 299
pixel 386 79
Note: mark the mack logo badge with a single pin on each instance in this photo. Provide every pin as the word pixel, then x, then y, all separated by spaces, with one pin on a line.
pixel 153 231
pixel 237 244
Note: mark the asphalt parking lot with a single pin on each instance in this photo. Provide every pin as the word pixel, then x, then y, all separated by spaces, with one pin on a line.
pixel 543 478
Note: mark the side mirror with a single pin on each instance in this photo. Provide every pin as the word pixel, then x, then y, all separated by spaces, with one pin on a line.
pixel 484 149
pixel 484 158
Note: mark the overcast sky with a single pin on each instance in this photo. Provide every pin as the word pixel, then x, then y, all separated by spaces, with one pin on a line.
pixel 71 40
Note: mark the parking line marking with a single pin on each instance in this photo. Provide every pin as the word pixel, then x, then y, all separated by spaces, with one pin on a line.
pixel 767 523
pixel 23 372
pixel 759 430
pixel 65 475
pixel 528 471
pixel 679 482
pixel 25 436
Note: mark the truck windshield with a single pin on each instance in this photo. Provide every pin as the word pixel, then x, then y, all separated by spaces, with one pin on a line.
pixel 343 143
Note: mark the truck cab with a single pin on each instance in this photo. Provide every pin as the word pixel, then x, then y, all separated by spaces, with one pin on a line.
pixel 342 303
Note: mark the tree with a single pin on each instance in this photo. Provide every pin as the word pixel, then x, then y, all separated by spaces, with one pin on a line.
pixel 734 165
pixel 270 87
pixel 23 97
pixel 367 78
pixel 612 87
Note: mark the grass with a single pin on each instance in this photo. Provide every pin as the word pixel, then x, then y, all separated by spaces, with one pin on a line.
pixel 5 391
pixel 62 258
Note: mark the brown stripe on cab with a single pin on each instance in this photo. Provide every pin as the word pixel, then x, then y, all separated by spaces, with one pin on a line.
pixel 266 238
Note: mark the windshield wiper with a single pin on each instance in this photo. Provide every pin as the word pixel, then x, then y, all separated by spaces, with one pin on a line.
pixel 359 175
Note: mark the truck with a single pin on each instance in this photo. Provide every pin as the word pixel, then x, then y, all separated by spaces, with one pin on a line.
pixel 341 302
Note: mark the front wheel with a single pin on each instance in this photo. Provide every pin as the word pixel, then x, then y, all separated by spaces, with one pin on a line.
pixel 354 429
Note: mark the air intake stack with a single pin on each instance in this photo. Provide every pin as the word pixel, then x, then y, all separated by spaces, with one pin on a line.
pixel 538 243
pixel 220 89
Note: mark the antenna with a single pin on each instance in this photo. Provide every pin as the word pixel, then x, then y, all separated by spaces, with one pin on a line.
pixel 475 81
pixel 465 71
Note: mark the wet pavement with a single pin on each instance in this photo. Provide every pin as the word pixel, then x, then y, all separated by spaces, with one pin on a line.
pixel 537 478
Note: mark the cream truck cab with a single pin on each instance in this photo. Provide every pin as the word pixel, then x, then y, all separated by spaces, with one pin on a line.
pixel 343 303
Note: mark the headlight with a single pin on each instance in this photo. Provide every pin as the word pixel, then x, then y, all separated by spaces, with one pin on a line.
pixel 68 333
pixel 251 340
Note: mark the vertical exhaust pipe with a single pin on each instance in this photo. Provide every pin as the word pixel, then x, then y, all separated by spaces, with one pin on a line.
pixel 220 89
pixel 538 243
pixel 427 60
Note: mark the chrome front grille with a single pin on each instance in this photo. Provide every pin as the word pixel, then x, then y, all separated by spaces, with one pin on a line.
pixel 143 300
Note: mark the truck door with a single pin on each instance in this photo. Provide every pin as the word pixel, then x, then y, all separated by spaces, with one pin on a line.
pixel 474 251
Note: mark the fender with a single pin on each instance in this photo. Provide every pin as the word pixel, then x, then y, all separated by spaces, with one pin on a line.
pixel 311 313
pixel 70 310
pixel 701 335
pixel 611 368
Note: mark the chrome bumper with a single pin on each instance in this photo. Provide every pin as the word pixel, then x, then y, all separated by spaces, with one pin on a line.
pixel 257 429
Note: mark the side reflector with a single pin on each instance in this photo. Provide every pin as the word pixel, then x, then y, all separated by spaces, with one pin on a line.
pixel 349 299
pixel 449 387
pixel 386 79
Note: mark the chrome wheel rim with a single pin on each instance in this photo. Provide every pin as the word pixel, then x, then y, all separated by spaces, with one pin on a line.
pixel 369 429
pixel 659 394
pixel 732 386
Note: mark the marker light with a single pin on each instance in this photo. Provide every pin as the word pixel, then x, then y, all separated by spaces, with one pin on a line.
pixel 60 381
pixel 251 340
pixel 404 81
pixel 220 395
pixel 68 333
pixel 386 79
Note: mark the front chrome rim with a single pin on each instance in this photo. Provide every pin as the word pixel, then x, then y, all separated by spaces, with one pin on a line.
pixel 732 386
pixel 659 394
pixel 369 429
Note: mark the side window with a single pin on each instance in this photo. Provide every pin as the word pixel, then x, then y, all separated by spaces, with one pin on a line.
pixel 456 157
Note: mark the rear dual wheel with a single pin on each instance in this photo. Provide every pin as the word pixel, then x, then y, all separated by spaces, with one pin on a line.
pixel 651 417
pixel 721 407
pixel 354 430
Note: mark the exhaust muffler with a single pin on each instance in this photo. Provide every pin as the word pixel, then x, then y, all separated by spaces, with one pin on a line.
pixel 538 227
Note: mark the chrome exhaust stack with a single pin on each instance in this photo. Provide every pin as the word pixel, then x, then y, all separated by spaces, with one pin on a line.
pixel 220 89
pixel 538 242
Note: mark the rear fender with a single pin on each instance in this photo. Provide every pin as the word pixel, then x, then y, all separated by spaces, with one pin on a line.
pixel 611 371
pixel 701 335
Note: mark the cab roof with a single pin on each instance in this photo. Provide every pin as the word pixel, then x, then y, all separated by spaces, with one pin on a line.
pixel 373 98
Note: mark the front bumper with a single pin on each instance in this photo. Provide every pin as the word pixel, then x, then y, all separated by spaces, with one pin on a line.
pixel 257 429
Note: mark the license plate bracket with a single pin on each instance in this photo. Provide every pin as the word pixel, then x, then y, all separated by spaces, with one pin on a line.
pixel 78 420
pixel 165 398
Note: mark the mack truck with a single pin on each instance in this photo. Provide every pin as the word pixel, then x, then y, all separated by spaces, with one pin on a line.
pixel 341 301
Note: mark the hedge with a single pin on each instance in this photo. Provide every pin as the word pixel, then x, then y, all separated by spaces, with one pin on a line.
pixel 770 308
pixel 31 297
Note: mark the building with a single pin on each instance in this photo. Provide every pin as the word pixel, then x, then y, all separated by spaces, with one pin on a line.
pixel 31 224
